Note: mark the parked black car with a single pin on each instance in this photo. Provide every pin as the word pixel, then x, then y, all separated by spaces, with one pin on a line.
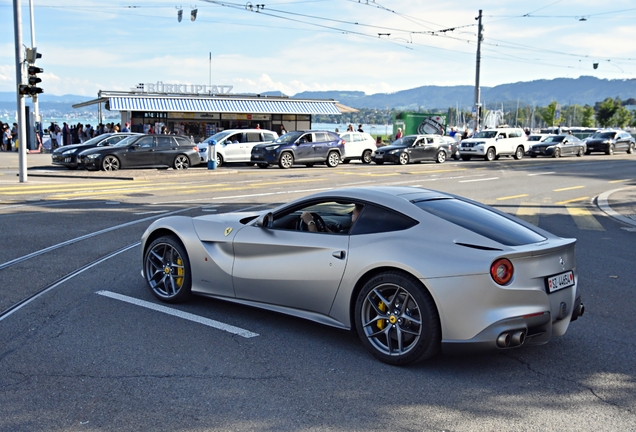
pixel 557 146
pixel 67 155
pixel 302 147
pixel 608 141
pixel 142 151
pixel 414 148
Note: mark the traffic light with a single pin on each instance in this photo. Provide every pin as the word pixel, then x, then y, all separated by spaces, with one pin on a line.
pixel 33 89
pixel 32 55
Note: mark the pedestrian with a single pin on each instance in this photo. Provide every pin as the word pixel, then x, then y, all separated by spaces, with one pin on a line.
pixel 164 130
pixel 465 134
pixel 398 135
pixel 360 128
pixel 258 125
pixel 7 138
pixel 14 136
pixel 283 131
pixel 337 130
pixel 350 128
pixel 53 136
pixel 452 132
pixel 59 136
pixel 66 132
pixel 126 127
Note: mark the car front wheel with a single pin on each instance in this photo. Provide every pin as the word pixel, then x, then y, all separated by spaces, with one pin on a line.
pixel 490 155
pixel 366 157
pixel 333 159
pixel 630 148
pixel 557 153
pixel 396 319
pixel 167 270
pixel 519 153
pixel 110 163
pixel 610 150
pixel 404 159
pixel 441 157
pixel 286 160
pixel 181 162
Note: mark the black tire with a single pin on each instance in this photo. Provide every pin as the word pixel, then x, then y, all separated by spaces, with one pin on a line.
pixel 181 162
pixel 630 148
pixel 533 156
pixel 333 159
pixel 588 152
pixel 557 153
pixel 379 162
pixel 110 163
pixel 491 155
pixel 396 319
pixel 263 165
pixel 580 152
pixel 167 270
pixel 286 160
pixel 456 156
pixel 403 159
pixel 610 150
pixel 440 157
pixel 465 158
pixel 519 153
pixel 219 160
pixel 345 161
pixel 366 157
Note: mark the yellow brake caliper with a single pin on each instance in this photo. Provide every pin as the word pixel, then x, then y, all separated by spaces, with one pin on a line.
pixel 381 323
pixel 180 273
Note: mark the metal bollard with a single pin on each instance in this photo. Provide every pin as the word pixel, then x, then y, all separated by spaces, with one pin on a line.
pixel 212 155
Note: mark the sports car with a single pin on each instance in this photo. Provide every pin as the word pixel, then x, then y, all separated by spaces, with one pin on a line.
pixel 413 271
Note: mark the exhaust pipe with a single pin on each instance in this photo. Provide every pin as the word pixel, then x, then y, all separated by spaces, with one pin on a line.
pixel 579 309
pixel 511 339
pixel 518 338
pixel 503 341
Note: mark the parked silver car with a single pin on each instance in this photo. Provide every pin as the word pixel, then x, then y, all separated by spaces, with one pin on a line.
pixel 412 270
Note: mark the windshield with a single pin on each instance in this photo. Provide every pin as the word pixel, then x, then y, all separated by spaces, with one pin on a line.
pixel 217 136
pixel 534 138
pixel 603 135
pixel 486 134
pixel 407 141
pixel 94 140
pixel 554 139
pixel 288 137
pixel 126 141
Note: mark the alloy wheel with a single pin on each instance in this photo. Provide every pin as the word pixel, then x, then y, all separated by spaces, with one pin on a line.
pixel 110 163
pixel 181 162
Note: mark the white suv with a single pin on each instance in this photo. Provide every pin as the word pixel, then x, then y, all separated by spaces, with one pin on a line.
pixel 235 145
pixel 358 145
pixel 492 143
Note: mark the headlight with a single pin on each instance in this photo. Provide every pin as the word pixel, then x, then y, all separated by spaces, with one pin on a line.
pixel 92 156
pixel 395 151
pixel 203 149
pixel 68 152
pixel 272 147
pixel 550 147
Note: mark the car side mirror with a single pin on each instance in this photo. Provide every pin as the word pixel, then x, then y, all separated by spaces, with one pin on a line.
pixel 265 220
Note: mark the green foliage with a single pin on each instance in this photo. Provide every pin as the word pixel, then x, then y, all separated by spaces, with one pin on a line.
pixel 587 119
pixel 606 111
pixel 622 117
pixel 548 114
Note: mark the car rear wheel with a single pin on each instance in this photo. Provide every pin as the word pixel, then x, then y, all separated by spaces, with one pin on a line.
pixel 630 148
pixel 110 163
pixel 396 319
pixel 286 160
pixel 580 152
pixel 219 160
pixel 441 157
pixel 167 270
pixel 404 159
pixel 610 150
pixel 181 162
pixel 519 153
pixel 490 155
pixel 557 153
pixel 366 157
pixel 333 159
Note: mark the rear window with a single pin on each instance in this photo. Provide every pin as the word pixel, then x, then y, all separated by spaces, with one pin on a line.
pixel 481 221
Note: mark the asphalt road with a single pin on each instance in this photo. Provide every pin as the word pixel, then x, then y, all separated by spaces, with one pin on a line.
pixel 81 347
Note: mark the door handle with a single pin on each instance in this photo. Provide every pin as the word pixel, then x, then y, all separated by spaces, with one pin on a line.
pixel 339 254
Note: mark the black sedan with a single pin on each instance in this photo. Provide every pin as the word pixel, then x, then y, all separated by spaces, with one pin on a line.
pixel 557 146
pixel 67 155
pixel 142 151
pixel 414 148
pixel 609 141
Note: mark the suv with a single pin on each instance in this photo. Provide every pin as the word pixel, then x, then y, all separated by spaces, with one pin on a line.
pixel 235 145
pixel 492 143
pixel 358 146
pixel 608 141
pixel 304 147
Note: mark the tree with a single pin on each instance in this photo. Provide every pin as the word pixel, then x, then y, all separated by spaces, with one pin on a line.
pixel 622 117
pixel 606 111
pixel 548 113
pixel 587 119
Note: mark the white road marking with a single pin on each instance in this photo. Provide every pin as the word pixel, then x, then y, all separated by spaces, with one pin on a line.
pixel 151 212
pixel 476 180
pixel 180 314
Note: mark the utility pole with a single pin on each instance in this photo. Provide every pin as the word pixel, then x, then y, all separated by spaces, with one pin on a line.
pixel 36 105
pixel 478 65
pixel 19 60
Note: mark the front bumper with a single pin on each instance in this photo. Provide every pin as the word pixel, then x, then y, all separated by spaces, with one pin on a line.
pixel 386 157
pixel 541 151
pixel 472 151
pixel 264 157
pixel 65 161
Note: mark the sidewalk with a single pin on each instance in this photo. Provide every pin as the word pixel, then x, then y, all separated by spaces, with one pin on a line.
pixel 619 204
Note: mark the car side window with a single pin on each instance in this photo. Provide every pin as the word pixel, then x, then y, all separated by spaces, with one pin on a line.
pixel 182 141
pixel 375 219
pixel 322 137
pixel 146 142
pixel 307 138
pixel 253 137
pixel 164 141
pixel 330 217
pixel 236 138
pixel 267 137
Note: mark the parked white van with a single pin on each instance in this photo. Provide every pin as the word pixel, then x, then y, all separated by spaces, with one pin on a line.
pixel 235 145
pixel 492 143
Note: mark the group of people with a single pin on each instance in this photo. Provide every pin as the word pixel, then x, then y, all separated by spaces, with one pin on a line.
pixel 9 136
pixel 77 134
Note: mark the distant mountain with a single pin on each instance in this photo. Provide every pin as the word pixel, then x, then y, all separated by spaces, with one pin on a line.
pixel 566 91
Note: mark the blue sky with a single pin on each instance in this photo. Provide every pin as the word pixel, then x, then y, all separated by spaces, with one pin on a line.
pixel 300 45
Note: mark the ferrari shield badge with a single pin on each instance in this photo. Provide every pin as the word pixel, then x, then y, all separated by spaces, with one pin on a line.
pixel 228 230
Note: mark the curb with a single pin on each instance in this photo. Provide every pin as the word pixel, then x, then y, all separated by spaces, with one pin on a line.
pixel 602 201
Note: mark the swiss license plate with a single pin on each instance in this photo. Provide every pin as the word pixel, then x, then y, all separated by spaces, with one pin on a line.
pixel 560 281
pixel 68 159
pixel 379 156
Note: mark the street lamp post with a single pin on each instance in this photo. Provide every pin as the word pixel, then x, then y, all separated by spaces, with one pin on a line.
pixel 19 63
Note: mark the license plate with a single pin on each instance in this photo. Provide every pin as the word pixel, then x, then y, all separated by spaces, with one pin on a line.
pixel 379 156
pixel 560 281
pixel 68 159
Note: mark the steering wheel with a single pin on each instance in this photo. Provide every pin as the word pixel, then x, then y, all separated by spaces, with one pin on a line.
pixel 321 226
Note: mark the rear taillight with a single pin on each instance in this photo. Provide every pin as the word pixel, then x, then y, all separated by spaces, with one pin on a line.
pixel 502 271
pixel 196 149
pixel 343 142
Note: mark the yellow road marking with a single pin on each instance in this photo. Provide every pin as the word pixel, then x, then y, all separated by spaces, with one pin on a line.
pixel 68 189
pixel 529 212
pixel 283 182
pixel 584 219
pixel 568 188
pixel 511 197
pixel 620 181
pixel 368 174
pixel 424 171
pixel 65 185
pixel 572 200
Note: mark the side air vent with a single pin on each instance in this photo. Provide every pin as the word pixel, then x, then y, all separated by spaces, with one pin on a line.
pixel 480 247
